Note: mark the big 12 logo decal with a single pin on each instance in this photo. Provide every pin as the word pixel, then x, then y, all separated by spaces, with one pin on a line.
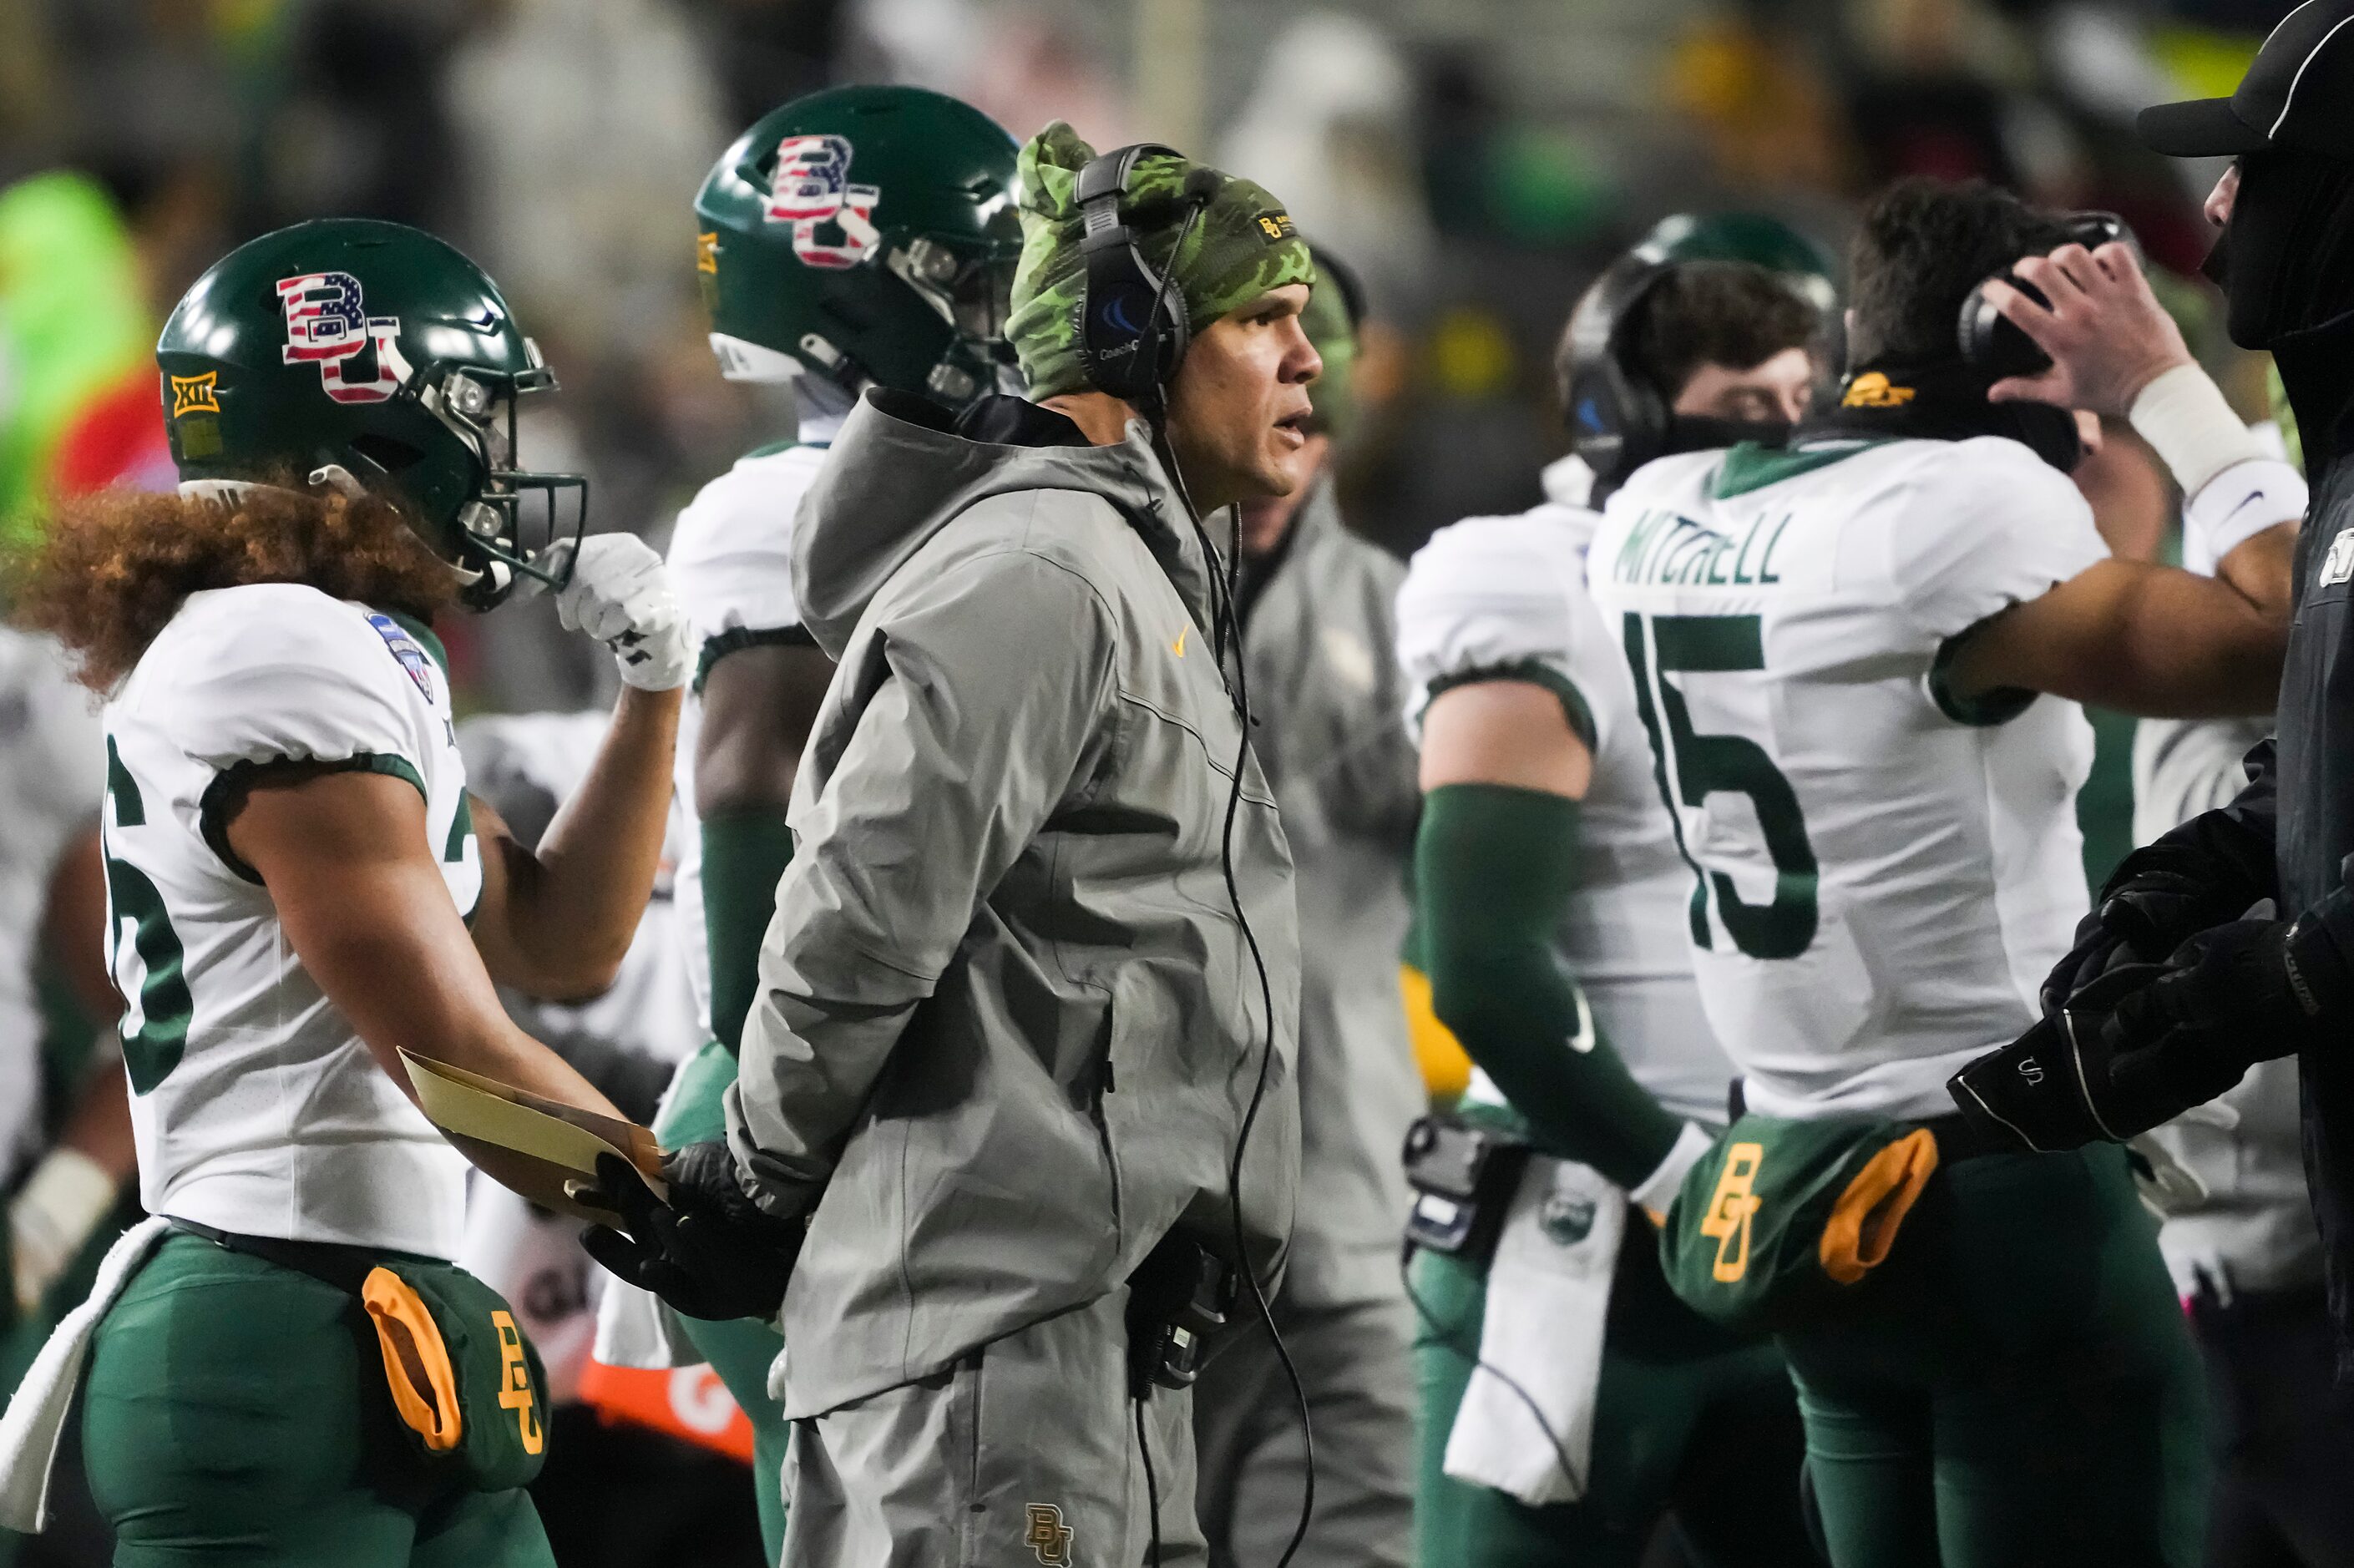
pixel 327 326
pixel 812 188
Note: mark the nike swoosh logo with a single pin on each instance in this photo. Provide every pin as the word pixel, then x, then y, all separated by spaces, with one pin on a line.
pixel 2243 501
pixel 1583 1041
pixel 1178 647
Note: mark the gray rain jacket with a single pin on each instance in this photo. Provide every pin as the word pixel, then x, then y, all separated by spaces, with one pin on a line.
pixel 1008 1026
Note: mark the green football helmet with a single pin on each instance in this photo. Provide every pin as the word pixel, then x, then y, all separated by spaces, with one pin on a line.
pixel 349 351
pixel 1750 236
pixel 868 236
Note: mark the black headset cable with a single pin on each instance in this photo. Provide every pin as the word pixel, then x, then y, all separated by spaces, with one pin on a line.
pixel 1229 635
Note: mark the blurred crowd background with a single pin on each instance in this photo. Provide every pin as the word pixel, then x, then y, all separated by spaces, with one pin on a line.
pixel 1477 161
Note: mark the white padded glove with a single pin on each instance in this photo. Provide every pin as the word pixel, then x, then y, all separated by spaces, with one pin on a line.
pixel 620 595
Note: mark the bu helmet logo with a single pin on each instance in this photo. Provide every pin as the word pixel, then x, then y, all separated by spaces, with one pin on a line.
pixel 812 189
pixel 327 325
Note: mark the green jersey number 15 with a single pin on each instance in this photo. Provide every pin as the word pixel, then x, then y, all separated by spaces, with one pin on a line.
pixel 1690 767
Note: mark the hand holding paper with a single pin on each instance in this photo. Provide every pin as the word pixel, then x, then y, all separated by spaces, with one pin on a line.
pixel 540 1147
pixel 707 1249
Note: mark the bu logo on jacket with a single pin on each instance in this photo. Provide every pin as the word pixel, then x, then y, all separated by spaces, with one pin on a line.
pixel 1049 1540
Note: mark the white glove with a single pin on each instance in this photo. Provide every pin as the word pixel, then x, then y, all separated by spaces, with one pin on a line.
pixel 620 595
pixel 63 1202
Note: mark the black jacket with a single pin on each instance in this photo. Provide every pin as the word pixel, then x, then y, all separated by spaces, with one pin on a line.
pixel 2297 816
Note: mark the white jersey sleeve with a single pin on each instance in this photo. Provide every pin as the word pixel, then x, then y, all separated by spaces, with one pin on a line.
pixel 1989 526
pixel 302 680
pixel 731 556
pixel 1493 595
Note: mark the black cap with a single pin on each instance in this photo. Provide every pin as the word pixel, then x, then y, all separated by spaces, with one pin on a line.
pixel 2299 92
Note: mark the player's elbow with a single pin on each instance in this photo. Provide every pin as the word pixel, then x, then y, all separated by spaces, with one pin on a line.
pixel 2249 673
pixel 580 970
pixel 1467 994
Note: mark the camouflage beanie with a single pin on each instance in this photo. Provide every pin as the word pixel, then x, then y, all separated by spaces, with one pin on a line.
pixel 1242 246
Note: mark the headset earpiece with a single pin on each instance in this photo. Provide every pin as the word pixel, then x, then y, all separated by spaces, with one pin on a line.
pixel 1991 342
pixel 1618 422
pixel 1132 324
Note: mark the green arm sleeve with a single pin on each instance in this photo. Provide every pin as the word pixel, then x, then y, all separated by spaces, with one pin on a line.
pixel 744 854
pixel 1494 868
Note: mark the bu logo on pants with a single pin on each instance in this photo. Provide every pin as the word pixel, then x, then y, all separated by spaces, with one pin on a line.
pixel 515 1382
pixel 1729 1211
pixel 1049 1538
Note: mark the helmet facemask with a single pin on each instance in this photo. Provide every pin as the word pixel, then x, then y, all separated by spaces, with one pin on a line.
pixel 972 293
pixel 513 525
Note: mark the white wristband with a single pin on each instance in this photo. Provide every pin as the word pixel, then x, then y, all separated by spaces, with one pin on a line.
pixel 1660 1188
pixel 66 1197
pixel 2235 506
pixel 2183 416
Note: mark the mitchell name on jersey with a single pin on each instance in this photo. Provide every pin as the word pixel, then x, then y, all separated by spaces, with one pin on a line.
pixel 1878 875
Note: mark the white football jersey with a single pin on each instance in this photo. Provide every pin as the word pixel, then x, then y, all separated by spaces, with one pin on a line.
pixel 1495 594
pixel 255 1105
pixel 1879 877
pixel 52 765
pixel 731 568
pixel 648 1008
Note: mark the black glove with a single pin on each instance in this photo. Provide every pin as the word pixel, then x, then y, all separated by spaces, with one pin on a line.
pixel 2051 1089
pixel 2231 997
pixel 2142 1043
pixel 2160 897
pixel 710 1252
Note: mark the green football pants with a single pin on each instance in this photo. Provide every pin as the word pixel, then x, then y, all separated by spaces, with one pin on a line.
pixel 2015 1387
pixel 235 1412
pixel 742 1351
pixel 1689 1421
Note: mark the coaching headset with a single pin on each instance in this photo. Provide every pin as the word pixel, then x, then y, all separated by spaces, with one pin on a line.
pixel 1132 332
pixel 1132 324
pixel 1618 420
pixel 1991 342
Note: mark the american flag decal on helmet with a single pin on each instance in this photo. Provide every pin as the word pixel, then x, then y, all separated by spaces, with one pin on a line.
pixel 811 187
pixel 327 325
